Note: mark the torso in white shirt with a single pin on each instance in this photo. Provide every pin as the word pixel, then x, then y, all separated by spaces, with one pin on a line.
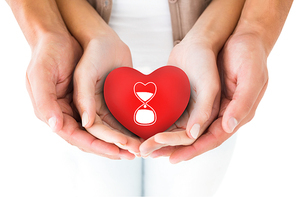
pixel 145 26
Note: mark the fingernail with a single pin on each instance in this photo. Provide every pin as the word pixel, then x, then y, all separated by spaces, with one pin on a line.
pixel 154 156
pixel 232 123
pixel 136 154
pixel 84 119
pixel 195 130
pixel 120 145
pixel 176 161
pixel 52 122
pixel 123 157
pixel 146 155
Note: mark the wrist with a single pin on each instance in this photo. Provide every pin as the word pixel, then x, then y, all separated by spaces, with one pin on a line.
pixel 96 35
pixel 264 22
pixel 216 24
pixel 38 19
pixel 202 40
pixel 256 31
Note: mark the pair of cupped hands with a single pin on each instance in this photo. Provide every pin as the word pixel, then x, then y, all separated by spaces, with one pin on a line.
pixel 65 83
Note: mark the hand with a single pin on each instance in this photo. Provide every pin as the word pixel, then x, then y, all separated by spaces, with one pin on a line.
pixel 101 56
pixel 199 63
pixel 49 76
pixel 244 75
pixel 49 83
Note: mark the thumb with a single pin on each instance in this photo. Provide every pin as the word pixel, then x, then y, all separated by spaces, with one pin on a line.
pixel 244 100
pixel 42 91
pixel 84 94
pixel 202 112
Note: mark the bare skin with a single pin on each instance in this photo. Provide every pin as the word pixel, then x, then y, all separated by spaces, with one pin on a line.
pixel 236 65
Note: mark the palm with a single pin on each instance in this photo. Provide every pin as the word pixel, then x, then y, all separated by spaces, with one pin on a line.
pixel 100 58
pixel 200 66
pixel 200 80
pixel 243 73
pixel 50 71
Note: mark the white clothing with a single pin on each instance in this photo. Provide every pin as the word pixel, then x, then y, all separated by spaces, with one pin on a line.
pixel 145 26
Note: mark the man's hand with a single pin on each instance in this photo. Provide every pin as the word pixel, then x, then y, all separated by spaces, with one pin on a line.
pixel 49 83
pixel 49 76
pixel 244 77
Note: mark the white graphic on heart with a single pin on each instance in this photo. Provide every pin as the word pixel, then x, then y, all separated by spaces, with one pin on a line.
pixel 147 115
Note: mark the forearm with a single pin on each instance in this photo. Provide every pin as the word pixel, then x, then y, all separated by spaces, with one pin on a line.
pixel 216 23
pixel 83 21
pixel 265 19
pixel 37 18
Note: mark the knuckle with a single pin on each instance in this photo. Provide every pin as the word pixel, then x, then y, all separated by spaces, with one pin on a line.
pixel 82 149
pixel 250 116
pixel 216 87
pixel 79 101
pixel 70 140
pixel 37 114
pixel 206 114
pixel 263 77
pixel 217 144
pixel 247 107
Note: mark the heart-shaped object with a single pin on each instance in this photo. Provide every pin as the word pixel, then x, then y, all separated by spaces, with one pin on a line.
pixel 147 104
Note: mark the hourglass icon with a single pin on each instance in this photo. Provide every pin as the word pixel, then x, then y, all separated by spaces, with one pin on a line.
pixel 145 115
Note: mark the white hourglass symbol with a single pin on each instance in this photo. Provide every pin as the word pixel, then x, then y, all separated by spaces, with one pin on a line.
pixel 145 115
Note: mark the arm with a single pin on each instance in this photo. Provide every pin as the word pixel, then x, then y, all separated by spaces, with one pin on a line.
pixel 243 69
pixel 196 55
pixel 37 19
pixel 83 21
pixel 55 54
pixel 216 24
pixel 256 33
pixel 41 24
pixel 265 19
pixel 103 52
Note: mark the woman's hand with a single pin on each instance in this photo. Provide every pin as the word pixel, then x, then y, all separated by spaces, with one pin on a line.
pixel 101 56
pixel 199 63
pixel 103 51
pixel 197 55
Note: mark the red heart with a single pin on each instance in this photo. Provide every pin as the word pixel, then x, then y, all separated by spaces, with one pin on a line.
pixel 147 104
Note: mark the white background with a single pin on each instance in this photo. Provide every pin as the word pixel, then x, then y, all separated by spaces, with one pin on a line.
pixel 264 159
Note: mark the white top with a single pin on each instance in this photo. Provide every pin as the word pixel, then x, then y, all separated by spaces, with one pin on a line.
pixel 145 26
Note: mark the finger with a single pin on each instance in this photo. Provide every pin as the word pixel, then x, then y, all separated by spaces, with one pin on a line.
pixel 173 138
pixel 213 138
pixel 132 146
pixel 42 90
pixel 163 152
pixel 148 146
pixel 247 91
pixel 106 133
pixel 84 140
pixel 165 139
pixel 84 92
pixel 124 154
pixel 250 116
pixel 133 141
pixel 203 112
